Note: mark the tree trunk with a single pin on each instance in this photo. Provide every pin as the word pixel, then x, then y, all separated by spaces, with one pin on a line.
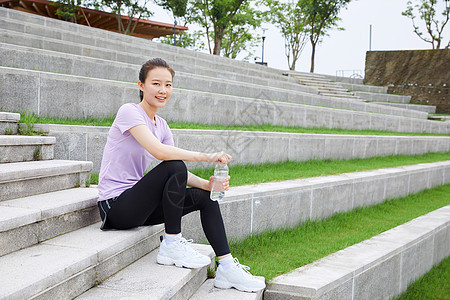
pixel 292 67
pixel 313 53
pixel 217 42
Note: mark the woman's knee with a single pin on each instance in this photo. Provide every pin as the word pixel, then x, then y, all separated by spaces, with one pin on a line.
pixel 177 166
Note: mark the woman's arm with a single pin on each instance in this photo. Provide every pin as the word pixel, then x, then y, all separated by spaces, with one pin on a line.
pixel 195 181
pixel 160 151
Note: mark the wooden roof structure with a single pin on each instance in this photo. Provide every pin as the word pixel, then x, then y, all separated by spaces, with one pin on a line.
pixel 94 18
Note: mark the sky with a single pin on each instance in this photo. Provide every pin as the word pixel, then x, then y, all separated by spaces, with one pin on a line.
pixel 344 50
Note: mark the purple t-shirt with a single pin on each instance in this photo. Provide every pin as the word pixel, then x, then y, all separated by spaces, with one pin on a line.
pixel 124 159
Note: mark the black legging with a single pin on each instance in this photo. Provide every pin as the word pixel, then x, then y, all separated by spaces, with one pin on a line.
pixel 160 197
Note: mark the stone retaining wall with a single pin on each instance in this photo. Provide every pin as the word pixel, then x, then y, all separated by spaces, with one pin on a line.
pixel 87 143
pixel 422 74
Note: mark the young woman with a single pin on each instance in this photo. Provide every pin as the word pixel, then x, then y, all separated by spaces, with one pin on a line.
pixel 128 199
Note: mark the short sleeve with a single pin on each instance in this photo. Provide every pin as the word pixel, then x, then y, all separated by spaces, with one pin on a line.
pixel 168 137
pixel 127 117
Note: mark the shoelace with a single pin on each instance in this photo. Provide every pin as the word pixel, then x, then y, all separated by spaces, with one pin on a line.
pixel 243 267
pixel 187 244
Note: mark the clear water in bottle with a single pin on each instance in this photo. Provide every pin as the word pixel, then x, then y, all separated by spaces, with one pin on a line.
pixel 221 175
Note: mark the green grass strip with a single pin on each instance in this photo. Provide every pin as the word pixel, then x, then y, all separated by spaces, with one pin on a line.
pixel 90 121
pixel 252 174
pixel 273 253
pixel 267 172
pixel 433 285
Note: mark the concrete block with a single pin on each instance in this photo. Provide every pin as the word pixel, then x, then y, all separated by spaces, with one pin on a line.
pixel 72 287
pixel 418 181
pixel 386 146
pixel 276 211
pixel 367 192
pixel 339 147
pixel 380 281
pixel 440 245
pixel 378 122
pixel 24 148
pixel 331 199
pixel 420 146
pixel 301 149
pixel 404 146
pixel 159 282
pixel 24 179
pixel 208 291
pixel 396 186
pixel 416 261
pixel 26 275
pixel 436 177
pixel 315 119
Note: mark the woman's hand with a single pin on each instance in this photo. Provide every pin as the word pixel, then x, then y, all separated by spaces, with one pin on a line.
pixel 220 157
pixel 226 183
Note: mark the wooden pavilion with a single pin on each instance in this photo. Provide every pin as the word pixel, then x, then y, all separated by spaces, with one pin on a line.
pixel 94 18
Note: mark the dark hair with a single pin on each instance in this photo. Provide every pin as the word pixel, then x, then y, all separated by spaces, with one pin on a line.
pixel 150 65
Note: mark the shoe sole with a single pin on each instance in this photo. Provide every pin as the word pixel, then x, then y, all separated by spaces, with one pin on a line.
pixel 226 285
pixel 167 261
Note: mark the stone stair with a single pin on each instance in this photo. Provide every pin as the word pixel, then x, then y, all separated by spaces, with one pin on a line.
pixel 266 83
pixel 324 86
pixel 51 245
pixel 62 254
pixel 9 123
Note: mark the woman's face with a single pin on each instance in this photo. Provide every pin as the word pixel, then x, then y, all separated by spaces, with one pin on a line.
pixel 157 88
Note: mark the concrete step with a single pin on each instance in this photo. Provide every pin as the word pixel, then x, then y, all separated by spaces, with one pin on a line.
pixel 256 208
pixel 145 279
pixel 379 268
pixel 196 82
pixel 340 95
pixel 8 122
pixel 51 61
pixel 341 79
pixel 418 107
pixel 251 147
pixel 15 148
pixel 80 35
pixel 98 35
pixel 23 179
pixel 30 220
pixel 383 97
pixel 208 292
pixel 66 266
pixel 364 88
pixel 89 95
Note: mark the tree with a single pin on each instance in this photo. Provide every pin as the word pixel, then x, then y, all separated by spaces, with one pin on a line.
pixel 426 9
pixel 292 21
pixel 193 41
pixel 220 13
pixel 238 35
pixel 134 10
pixel 322 16
pixel 66 9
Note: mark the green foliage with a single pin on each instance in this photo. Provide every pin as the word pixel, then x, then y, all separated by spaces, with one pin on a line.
pixel 284 250
pixel 29 118
pixel 133 9
pixel 218 15
pixel 178 7
pixel 322 16
pixel 67 9
pixel 426 10
pixel 291 19
pixel 238 35
pixel 193 41
pixel 267 172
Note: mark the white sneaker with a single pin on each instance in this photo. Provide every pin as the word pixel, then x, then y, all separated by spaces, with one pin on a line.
pixel 239 277
pixel 182 254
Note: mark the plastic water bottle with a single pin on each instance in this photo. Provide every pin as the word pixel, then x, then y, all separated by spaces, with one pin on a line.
pixel 221 175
